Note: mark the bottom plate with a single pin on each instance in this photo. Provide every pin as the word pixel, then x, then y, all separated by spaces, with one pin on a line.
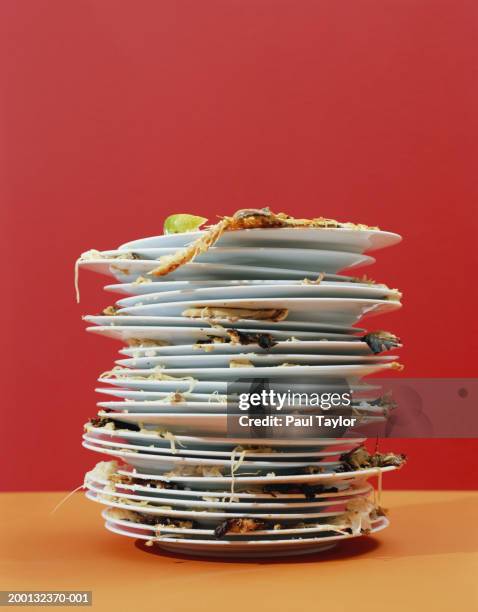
pixel 245 548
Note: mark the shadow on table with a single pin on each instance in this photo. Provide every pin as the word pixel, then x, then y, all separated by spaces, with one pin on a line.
pixel 344 550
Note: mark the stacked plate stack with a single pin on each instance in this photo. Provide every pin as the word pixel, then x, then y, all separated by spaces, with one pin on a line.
pixel 255 296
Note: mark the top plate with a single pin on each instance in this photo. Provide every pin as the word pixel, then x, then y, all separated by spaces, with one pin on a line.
pixel 357 241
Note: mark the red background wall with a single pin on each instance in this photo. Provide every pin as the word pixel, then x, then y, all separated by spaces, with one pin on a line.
pixel 116 114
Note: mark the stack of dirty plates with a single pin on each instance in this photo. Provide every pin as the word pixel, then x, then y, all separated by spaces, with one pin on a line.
pixel 268 303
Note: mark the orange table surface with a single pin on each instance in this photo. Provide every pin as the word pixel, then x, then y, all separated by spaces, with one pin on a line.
pixel 426 560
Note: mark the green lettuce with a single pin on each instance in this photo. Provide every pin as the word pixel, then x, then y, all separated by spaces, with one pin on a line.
pixel 180 223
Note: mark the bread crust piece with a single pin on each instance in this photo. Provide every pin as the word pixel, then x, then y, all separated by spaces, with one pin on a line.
pixel 234 314
pixel 239 526
pixel 241 363
pixel 145 342
pixel 242 219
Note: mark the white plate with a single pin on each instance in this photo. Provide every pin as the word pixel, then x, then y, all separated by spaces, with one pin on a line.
pixel 355 348
pixel 159 322
pixel 361 391
pixel 248 548
pixel 128 271
pixel 168 386
pixel 217 386
pixel 304 347
pixel 176 503
pixel 263 534
pixel 165 463
pixel 206 517
pixel 157 285
pixel 188 335
pixel 310 260
pixel 278 290
pixel 310 310
pixel 139 396
pixel 189 384
pixel 305 372
pixel 208 360
pixel 228 444
pixel 224 483
pixel 255 496
pixel 353 240
pixel 195 532
pixel 95 437
pixel 169 461
pixel 344 491
pixel 205 424
pixel 212 407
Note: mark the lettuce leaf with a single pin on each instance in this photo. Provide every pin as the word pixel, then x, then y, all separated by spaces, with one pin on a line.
pixel 177 224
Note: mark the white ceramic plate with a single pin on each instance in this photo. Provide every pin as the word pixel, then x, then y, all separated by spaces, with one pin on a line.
pixel 228 444
pixel 311 260
pixel 210 387
pixel 208 360
pixel 304 347
pixel 343 491
pixel 217 386
pixel 310 310
pixel 211 407
pixel 214 503
pixel 161 463
pixel 188 335
pixel 342 372
pixel 361 391
pixel 246 549
pixel 128 271
pixel 353 240
pixel 95 437
pixel 263 534
pixel 207 517
pixel 282 290
pixel 205 424
pixel 338 491
pixel 195 532
pixel 139 396
pixel 157 285
pixel 159 322
pixel 224 483
pixel 167 386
